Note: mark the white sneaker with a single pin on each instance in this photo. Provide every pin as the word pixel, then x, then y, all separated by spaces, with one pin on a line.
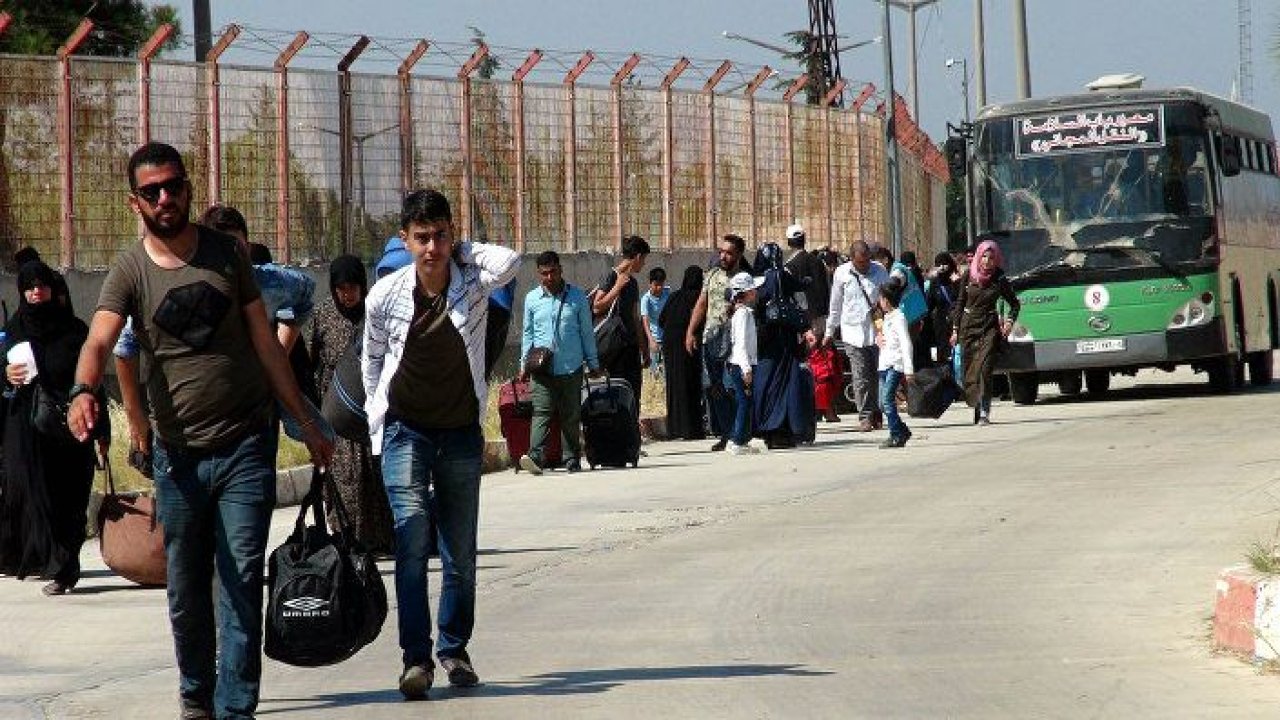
pixel 736 449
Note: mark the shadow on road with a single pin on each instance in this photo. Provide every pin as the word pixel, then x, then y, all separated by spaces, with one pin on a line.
pixel 563 683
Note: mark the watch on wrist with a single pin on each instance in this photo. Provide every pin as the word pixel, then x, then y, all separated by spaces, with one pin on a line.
pixel 79 389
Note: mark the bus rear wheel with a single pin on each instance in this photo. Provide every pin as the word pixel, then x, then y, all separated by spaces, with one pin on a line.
pixel 1097 381
pixel 1225 373
pixel 1024 387
pixel 1260 368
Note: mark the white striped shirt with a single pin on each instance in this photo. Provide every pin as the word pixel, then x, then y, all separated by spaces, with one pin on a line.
pixel 389 313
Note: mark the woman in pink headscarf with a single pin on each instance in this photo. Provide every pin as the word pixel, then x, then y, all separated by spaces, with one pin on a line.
pixel 978 328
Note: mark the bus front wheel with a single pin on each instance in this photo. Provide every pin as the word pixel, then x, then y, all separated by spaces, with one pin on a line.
pixel 1024 387
pixel 1260 368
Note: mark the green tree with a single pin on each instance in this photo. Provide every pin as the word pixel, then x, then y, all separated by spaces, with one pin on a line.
pixel 40 27
pixel 120 26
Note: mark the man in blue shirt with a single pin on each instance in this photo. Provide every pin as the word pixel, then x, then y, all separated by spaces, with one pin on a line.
pixel 651 304
pixel 557 317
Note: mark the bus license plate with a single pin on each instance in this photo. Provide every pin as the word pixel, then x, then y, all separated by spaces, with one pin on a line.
pixel 1084 347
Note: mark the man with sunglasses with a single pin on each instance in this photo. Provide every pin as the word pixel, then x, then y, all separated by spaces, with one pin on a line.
pixel 212 364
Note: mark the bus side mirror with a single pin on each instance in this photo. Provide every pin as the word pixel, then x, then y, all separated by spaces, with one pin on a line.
pixel 1230 156
pixel 956 150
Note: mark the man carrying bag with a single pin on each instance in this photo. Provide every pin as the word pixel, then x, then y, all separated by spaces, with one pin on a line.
pixel 557 318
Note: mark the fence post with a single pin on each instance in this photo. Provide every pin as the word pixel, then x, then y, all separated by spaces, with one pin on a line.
pixel 571 149
pixel 468 170
pixel 765 73
pixel 215 112
pixel 668 161
pixel 619 188
pixel 406 115
pixel 148 51
pixel 858 102
pixel 521 171
pixel 282 145
pixel 346 139
pixel 829 206
pixel 66 142
pixel 709 90
pixel 796 87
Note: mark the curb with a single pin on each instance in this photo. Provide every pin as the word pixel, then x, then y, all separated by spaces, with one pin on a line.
pixel 1246 613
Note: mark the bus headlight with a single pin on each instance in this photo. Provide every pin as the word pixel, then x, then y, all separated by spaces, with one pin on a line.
pixel 1194 313
pixel 1020 333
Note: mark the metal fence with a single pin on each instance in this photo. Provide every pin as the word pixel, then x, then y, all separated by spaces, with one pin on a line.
pixel 318 160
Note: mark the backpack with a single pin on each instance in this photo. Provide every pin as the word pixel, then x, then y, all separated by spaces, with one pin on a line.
pixel 325 597
pixel 782 310
pixel 343 404
pixel 913 304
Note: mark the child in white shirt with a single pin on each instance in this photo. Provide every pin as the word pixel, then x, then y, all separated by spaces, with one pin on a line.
pixel 895 362
pixel 742 358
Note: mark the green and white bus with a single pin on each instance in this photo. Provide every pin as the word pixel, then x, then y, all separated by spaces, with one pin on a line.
pixel 1140 228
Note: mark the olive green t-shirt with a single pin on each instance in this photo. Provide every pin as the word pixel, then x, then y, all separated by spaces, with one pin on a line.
pixel 432 388
pixel 205 383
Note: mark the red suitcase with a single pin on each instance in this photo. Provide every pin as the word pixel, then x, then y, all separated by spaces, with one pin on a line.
pixel 827 374
pixel 515 411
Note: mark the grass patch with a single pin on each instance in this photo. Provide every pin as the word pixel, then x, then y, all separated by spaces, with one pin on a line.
pixel 1264 558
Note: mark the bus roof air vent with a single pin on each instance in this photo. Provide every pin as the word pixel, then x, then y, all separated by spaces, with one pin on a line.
pixel 1119 81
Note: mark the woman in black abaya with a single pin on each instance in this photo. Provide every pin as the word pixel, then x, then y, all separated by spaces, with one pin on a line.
pixel 48 475
pixel 684 371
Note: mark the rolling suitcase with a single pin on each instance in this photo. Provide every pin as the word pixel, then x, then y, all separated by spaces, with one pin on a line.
pixel 515 412
pixel 931 392
pixel 610 427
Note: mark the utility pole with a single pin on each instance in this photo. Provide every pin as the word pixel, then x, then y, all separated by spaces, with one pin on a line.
pixel 204 29
pixel 911 6
pixel 967 134
pixel 1020 48
pixel 893 193
pixel 979 56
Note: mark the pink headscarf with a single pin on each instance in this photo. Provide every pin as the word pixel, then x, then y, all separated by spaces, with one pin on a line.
pixel 976 271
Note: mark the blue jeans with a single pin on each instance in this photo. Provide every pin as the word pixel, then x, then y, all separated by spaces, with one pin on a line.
pixel 440 469
pixel 216 509
pixel 889 380
pixel 719 401
pixel 741 433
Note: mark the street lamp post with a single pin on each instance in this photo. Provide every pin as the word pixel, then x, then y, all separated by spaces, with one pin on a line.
pixel 894 190
pixel 911 6
pixel 968 135
pixel 359 139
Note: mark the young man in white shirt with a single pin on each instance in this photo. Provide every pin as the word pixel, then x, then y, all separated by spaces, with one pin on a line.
pixel 855 293
pixel 423 367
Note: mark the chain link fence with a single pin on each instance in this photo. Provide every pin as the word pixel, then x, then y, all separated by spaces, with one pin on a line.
pixel 537 165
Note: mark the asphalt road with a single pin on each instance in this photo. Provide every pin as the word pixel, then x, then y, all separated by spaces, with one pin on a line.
pixel 1059 563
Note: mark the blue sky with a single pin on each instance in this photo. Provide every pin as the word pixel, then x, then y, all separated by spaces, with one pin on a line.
pixel 1171 42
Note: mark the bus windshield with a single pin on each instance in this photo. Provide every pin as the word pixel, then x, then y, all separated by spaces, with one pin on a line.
pixel 1105 188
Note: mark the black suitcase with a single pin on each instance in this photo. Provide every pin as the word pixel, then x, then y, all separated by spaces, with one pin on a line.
pixel 931 391
pixel 610 426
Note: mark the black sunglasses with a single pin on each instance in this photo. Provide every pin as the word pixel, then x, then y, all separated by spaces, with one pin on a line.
pixel 151 192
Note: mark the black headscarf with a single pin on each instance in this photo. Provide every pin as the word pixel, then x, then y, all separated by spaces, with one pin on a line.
pixel 678 311
pixel 47 320
pixel 348 269
pixel 768 258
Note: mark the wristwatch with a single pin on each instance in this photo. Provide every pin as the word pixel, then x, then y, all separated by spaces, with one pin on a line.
pixel 79 389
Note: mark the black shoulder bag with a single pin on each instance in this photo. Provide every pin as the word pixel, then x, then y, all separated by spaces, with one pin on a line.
pixel 538 360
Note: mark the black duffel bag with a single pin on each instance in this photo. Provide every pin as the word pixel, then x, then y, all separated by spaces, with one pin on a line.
pixel 325 597
pixel 343 403
pixel 930 392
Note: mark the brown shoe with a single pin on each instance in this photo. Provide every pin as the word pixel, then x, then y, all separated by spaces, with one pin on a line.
pixel 864 426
